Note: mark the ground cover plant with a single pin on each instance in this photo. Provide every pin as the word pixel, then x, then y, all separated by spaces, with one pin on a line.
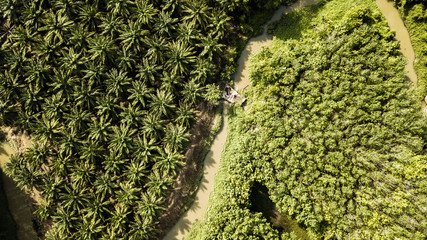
pixel 332 139
pixel 414 15
pixel 108 91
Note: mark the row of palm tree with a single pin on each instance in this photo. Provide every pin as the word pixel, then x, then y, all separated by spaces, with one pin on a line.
pixel 108 90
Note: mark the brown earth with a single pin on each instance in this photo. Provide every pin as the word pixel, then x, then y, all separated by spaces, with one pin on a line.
pixel 185 186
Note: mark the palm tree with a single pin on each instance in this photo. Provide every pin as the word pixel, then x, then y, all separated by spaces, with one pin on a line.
pixel 111 24
pixel 120 7
pixel 74 198
pixel 91 151
pixel 64 220
pixel 85 95
pixel 158 183
pixel 89 15
pixel 161 103
pixel 150 205
pixel 54 106
pixel 180 57
pixel 61 83
pixel 55 26
pixel 119 220
pixel 47 130
pixel 185 114
pixel 176 136
pixel 122 139
pixel 192 91
pixel 117 82
pixel 108 106
pixel 210 47
pixel 102 49
pixel 132 36
pixel 145 12
pixel 71 61
pixel 219 22
pixel 52 187
pixel 169 82
pixel 114 163
pixel 82 174
pixel 136 171
pixel 131 116
pixel 187 33
pixel 152 126
pixel 93 72
pixel 141 229
pixel 143 151
pixel 61 166
pixel 165 24
pixel 22 37
pixel 169 161
pixel 99 129
pixel 97 208
pixel 88 230
pixel 11 85
pixel 78 119
pixel 147 72
pixel 105 185
pixel 126 60
pixel 46 49
pixel 127 194
pixel 155 48
pixel 197 12
pixel 78 37
pixel 139 93
pixel 69 142
pixel 8 10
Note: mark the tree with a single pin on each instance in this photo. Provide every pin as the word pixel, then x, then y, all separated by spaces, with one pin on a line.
pixel 56 25
pixel 121 140
pixel 176 136
pixel 185 115
pixel 212 94
pixel 161 103
pixel 196 12
pixel 117 82
pixel 132 36
pixel 139 93
pixel 169 161
pixel 150 205
pixel 102 49
pixel 180 57
pixel 192 91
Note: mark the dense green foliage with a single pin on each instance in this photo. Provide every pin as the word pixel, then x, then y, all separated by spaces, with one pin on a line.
pixel 333 130
pixel 415 17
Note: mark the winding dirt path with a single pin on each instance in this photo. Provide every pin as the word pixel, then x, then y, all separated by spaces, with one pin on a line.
pixel 395 22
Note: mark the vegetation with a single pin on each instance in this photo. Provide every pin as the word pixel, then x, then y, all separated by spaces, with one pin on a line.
pixel 414 15
pixel 332 130
pixel 108 90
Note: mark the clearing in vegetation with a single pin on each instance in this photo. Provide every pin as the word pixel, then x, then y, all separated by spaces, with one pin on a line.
pixel 332 130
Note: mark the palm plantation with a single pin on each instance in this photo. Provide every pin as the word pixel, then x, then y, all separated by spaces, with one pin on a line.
pixel 108 90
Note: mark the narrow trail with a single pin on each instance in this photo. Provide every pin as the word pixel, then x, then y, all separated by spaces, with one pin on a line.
pixel 197 210
pixel 18 202
pixel 395 22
